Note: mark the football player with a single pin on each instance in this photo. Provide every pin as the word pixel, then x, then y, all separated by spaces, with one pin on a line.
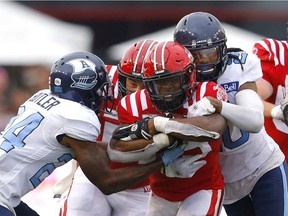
pixel 58 124
pixel 272 88
pixel 153 116
pixel 127 78
pixel 253 166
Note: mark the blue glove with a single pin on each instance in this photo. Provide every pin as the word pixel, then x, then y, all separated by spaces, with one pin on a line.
pixel 169 155
pixel 138 130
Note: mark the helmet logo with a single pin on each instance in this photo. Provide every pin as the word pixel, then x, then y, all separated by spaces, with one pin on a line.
pixel 84 75
pixel 57 82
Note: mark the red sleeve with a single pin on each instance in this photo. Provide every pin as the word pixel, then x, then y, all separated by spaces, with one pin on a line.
pixel 211 89
pixel 124 111
pixel 267 55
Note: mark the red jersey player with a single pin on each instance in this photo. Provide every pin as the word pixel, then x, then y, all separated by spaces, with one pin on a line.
pixel 274 61
pixel 126 78
pixel 169 91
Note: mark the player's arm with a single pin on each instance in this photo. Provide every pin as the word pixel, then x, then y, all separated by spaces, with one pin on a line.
pixel 94 162
pixel 162 132
pixel 247 113
pixel 265 90
pixel 200 128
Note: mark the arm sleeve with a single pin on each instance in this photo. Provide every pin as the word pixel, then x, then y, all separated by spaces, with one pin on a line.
pixel 247 113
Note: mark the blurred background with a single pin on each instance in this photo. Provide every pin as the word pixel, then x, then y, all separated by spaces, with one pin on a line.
pixel 34 34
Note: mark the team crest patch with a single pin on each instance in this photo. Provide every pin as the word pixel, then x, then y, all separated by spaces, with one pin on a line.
pixel 84 76
pixel 231 86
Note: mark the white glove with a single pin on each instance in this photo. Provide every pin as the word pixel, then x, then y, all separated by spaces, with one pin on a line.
pixel 183 167
pixel 200 108
pixel 277 113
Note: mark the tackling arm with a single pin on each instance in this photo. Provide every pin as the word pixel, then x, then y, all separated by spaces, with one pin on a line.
pixel 248 102
pixel 93 160
pixel 164 133
pixel 265 90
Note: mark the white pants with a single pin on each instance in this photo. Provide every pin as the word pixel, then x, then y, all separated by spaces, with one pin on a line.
pixel 86 199
pixel 202 203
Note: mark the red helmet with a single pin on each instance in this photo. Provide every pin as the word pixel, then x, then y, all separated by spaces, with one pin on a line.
pixel 169 75
pixel 131 64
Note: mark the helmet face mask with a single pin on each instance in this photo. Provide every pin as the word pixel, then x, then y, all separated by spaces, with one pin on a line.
pixel 81 77
pixel 168 93
pixel 167 75
pixel 208 63
pixel 201 31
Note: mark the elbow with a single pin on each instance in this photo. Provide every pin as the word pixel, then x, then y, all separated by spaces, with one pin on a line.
pixel 256 123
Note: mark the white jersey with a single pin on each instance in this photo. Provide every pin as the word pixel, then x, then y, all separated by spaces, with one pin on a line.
pixel 244 153
pixel 29 150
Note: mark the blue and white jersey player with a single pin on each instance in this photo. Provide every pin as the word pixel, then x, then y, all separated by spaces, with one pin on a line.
pixel 254 168
pixel 59 124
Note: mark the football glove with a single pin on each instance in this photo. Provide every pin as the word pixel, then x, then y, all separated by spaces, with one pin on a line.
pixel 285 112
pixel 201 108
pixel 138 130
pixel 171 153
pixel 183 167
pixel 284 102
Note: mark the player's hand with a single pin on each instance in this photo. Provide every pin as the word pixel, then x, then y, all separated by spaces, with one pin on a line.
pixel 284 102
pixel 170 154
pixel 138 130
pixel 183 167
pixel 201 108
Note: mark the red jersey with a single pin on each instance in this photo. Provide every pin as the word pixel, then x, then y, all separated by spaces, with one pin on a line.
pixel 274 61
pixel 109 121
pixel 138 105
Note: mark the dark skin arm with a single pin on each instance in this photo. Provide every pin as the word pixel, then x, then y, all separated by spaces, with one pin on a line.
pixel 93 160
pixel 214 122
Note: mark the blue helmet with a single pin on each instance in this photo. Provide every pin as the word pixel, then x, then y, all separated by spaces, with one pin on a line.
pixel 81 77
pixel 204 36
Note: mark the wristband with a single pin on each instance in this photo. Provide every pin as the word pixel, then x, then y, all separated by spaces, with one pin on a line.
pixel 161 140
pixel 160 123
pixel 277 113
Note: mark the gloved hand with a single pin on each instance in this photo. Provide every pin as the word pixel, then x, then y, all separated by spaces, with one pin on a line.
pixel 138 130
pixel 284 102
pixel 183 167
pixel 201 108
pixel 170 154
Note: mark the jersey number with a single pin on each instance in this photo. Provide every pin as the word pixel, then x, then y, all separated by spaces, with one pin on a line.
pixel 227 139
pixel 16 134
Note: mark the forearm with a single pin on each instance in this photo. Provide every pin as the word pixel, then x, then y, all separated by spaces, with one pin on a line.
pixel 126 146
pixel 247 113
pixel 192 129
pixel 127 177
pixel 94 163
pixel 114 180
pixel 118 154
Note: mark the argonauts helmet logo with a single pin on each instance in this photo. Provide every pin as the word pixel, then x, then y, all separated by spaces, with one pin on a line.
pixel 84 75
